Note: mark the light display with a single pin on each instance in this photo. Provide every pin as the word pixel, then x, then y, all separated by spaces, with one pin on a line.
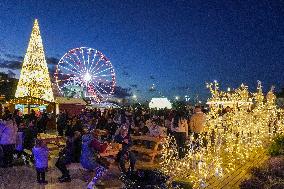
pixel 85 73
pixel 28 100
pixel 100 171
pixel 34 79
pixel 231 135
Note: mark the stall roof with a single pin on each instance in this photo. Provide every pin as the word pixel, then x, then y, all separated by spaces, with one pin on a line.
pixel 28 100
pixel 64 100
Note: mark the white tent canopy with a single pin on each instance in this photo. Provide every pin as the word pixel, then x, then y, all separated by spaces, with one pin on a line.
pixel 160 103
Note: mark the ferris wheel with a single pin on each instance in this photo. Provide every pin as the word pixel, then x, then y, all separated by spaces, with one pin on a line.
pixel 85 73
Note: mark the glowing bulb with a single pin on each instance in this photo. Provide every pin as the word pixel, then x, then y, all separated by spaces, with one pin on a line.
pixel 87 77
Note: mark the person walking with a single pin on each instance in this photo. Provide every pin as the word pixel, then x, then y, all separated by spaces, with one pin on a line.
pixel 68 155
pixel 179 129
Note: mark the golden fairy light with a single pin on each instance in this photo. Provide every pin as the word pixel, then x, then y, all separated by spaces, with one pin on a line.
pixel 238 124
pixel 34 79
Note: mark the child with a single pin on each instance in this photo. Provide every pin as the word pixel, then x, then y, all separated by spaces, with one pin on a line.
pixel 40 152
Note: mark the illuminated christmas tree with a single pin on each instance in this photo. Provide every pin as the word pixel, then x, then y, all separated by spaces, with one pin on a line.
pixel 34 79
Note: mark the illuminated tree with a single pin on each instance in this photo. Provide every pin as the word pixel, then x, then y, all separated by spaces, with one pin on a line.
pixel 34 79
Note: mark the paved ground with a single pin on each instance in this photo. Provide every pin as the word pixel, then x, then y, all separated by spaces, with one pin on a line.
pixel 24 177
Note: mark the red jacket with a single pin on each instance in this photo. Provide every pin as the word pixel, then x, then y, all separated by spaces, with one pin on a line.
pixel 98 146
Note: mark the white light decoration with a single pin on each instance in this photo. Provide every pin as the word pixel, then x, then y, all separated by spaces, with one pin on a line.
pixel 160 103
pixel 87 77
pixel 34 79
pixel 231 136
pixel 85 73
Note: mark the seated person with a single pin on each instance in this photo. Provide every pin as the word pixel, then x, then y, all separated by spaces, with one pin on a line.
pixel 111 127
pixel 124 138
pixel 139 127
pixel 155 129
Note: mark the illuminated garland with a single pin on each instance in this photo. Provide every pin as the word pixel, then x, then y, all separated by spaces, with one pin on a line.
pixel 28 100
pixel 100 171
pixel 229 138
pixel 34 79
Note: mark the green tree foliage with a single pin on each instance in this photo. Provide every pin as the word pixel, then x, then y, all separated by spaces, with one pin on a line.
pixel 277 147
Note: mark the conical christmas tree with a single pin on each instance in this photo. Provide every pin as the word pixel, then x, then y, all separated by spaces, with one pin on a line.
pixel 34 79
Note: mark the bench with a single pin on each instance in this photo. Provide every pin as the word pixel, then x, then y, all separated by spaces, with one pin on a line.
pixel 53 142
pixel 112 151
pixel 153 151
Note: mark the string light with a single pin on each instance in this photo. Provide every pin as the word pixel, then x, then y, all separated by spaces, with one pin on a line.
pixel 229 138
pixel 100 171
pixel 34 79
pixel 85 73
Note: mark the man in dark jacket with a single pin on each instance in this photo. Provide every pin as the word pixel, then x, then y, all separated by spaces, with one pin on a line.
pixel 66 156
pixel 61 123
pixel 42 123
pixel 124 138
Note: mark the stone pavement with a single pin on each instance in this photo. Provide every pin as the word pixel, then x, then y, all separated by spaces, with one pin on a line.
pixel 24 177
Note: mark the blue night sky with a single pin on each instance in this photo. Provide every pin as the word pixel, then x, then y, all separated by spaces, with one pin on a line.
pixel 178 45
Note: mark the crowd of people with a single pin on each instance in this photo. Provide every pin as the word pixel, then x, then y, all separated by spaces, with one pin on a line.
pixel 83 141
pixel 18 132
